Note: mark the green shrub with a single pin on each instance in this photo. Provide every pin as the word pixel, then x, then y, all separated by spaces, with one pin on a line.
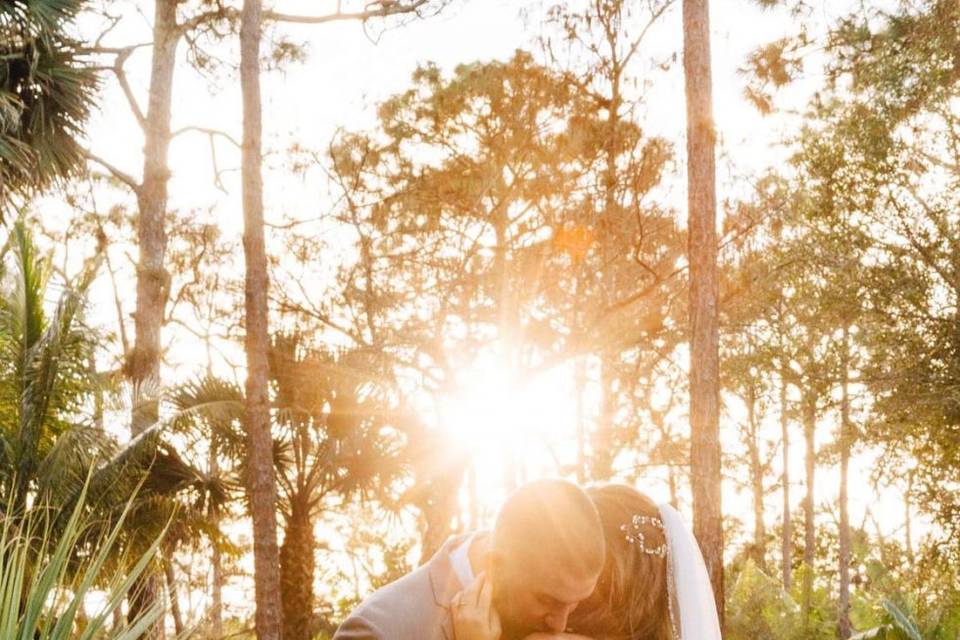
pixel 759 609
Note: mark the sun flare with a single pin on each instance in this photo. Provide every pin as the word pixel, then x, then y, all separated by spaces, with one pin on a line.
pixel 499 414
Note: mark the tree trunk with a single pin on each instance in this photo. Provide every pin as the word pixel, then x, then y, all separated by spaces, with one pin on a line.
pixel 171 579
pixel 260 481
pixel 473 497
pixel 756 478
pixel 907 518
pixel 506 321
pixel 439 508
pixel 152 277
pixel 98 394
pixel 604 446
pixel 297 564
pixel 786 549
pixel 579 382
pixel 705 469
pixel 809 527
pixel 216 560
pixel 142 595
pixel 846 442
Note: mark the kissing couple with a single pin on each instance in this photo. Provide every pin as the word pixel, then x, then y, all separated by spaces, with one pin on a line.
pixel 561 563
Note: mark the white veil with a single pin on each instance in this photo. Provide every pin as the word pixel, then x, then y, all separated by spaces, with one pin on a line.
pixel 693 611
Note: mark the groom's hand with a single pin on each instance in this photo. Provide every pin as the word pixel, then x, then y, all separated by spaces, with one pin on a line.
pixel 474 617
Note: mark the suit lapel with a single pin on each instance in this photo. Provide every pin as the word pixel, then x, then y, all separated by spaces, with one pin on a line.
pixel 444 581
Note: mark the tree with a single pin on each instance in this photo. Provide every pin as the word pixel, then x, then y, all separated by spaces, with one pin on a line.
pixel 260 477
pixel 703 312
pixel 893 127
pixel 893 182
pixel 758 328
pixel 840 243
pixel 339 437
pixel 152 277
pixel 56 449
pixel 745 375
pixel 757 303
pixel 467 235
pixel 491 250
pixel 795 277
pixel 807 284
pixel 210 410
pixel 630 243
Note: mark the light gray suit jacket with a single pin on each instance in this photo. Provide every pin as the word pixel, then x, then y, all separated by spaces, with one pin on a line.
pixel 415 607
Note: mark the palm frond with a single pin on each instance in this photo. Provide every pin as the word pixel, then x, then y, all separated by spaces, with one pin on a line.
pixel 64 470
pixel 46 93
pixel 214 404
pixel 44 345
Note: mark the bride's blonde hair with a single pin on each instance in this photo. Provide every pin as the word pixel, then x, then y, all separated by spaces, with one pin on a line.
pixel 630 600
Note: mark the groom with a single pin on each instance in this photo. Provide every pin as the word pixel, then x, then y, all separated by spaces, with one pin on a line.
pixel 542 558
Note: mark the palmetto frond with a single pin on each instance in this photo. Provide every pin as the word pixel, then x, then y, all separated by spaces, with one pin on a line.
pixel 46 92
pixel 338 427
pixel 214 406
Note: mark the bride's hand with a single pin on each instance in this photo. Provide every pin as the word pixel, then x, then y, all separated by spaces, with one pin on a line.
pixel 474 617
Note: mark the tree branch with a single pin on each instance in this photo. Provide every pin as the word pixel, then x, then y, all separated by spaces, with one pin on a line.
pixel 125 86
pixel 383 9
pixel 123 177
pixel 114 21
pixel 212 135
pixel 122 55
pixel 208 132
pixel 114 51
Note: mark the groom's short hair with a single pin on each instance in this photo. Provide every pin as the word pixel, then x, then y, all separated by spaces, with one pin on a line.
pixel 551 520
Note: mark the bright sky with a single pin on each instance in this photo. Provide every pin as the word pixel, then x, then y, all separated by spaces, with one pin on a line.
pixel 346 74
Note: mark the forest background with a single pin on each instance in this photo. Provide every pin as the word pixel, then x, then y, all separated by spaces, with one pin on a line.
pixel 474 229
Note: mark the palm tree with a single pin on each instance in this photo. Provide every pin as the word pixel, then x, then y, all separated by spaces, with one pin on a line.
pixel 210 410
pixel 331 424
pixel 46 93
pixel 44 379
pixel 334 426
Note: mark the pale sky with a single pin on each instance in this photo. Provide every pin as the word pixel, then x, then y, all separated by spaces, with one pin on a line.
pixel 347 74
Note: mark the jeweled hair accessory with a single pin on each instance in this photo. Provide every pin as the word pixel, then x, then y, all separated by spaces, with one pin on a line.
pixel 634 535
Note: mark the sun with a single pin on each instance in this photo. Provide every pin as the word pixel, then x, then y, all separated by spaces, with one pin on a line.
pixel 489 404
pixel 496 410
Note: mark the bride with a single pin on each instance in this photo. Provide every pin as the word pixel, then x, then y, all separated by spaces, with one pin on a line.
pixel 654 585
